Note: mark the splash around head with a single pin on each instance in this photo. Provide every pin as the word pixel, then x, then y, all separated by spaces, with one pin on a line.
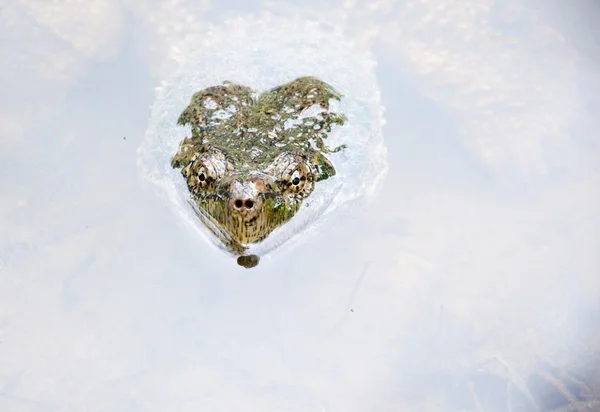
pixel 251 161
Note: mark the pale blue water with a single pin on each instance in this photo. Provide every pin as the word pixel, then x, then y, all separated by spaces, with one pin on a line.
pixel 469 282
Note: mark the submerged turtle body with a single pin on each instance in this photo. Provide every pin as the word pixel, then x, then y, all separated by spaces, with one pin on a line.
pixel 251 161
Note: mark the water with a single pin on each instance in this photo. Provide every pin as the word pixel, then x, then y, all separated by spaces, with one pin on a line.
pixel 469 282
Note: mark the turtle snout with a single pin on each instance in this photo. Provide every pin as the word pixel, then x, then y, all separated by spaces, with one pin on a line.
pixel 245 200
pixel 246 208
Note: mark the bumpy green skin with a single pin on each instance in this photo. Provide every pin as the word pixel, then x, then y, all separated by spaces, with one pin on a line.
pixel 268 148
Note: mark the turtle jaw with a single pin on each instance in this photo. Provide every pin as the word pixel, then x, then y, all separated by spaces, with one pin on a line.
pixel 250 209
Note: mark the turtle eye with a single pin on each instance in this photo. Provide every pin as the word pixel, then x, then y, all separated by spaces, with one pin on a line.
pixel 202 177
pixel 205 170
pixel 293 174
pixel 296 181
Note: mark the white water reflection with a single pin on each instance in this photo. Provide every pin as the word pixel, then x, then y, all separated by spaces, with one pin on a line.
pixel 476 265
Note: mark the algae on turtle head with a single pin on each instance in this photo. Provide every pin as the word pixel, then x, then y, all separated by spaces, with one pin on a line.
pixel 252 159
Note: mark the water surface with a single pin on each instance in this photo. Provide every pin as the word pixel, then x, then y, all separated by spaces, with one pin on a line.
pixel 470 281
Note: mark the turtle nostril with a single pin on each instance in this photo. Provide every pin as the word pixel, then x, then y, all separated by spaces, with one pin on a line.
pixel 243 204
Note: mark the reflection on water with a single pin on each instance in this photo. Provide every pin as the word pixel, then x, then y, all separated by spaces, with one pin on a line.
pixel 470 282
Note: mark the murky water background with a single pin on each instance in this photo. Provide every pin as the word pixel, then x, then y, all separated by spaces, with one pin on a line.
pixel 470 282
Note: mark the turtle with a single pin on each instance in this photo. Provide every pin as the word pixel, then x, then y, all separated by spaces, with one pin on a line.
pixel 261 132
pixel 252 159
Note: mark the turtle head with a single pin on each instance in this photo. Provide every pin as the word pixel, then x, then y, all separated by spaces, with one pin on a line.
pixel 249 203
